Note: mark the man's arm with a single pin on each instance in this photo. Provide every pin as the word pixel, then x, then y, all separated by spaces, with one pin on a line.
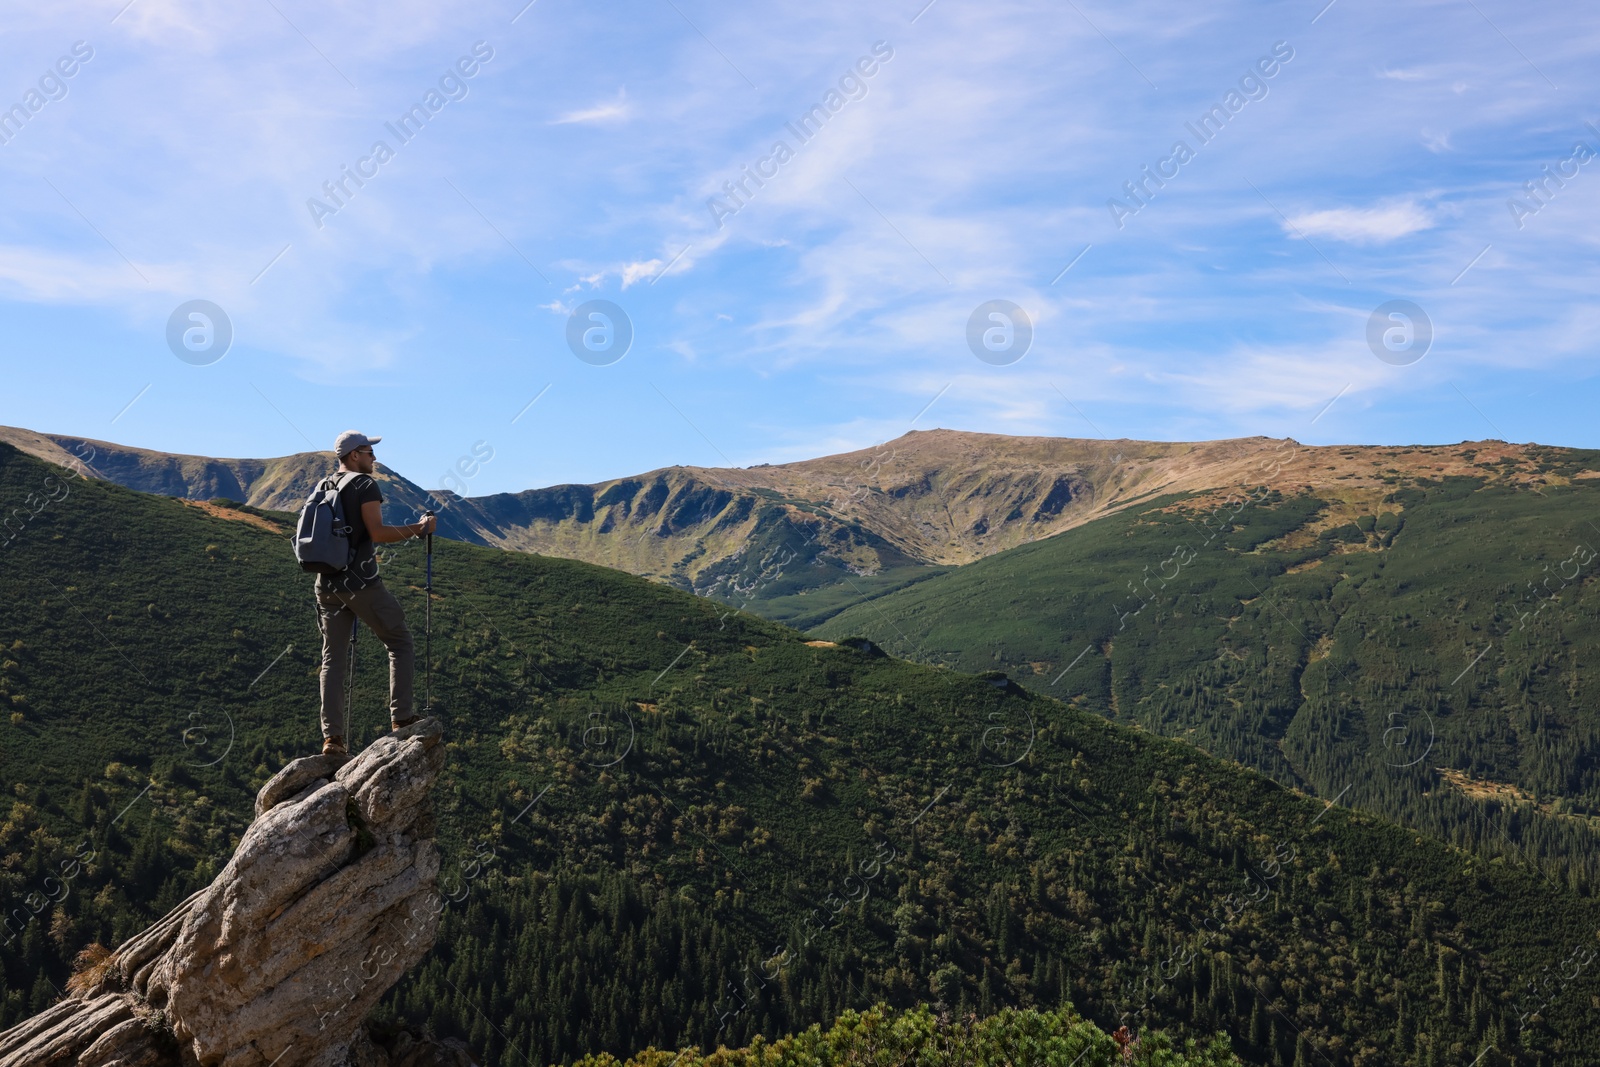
pixel 372 515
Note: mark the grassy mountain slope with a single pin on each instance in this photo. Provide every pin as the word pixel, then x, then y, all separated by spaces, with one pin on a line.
pixel 669 825
pixel 1425 647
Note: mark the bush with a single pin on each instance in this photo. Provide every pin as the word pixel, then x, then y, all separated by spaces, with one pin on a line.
pixel 920 1038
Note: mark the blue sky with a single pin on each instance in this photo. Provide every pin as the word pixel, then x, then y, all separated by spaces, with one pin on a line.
pixel 579 162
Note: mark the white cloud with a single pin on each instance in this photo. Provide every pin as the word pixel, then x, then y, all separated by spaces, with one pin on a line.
pixel 1363 225
pixel 1294 383
pixel 618 110
pixel 639 271
pixel 47 277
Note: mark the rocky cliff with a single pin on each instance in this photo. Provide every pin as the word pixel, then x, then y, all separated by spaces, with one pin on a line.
pixel 328 900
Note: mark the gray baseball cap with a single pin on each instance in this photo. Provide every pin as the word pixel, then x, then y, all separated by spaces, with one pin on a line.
pixel 351 440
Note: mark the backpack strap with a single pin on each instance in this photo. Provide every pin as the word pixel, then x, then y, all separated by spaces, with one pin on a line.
pixel 340 482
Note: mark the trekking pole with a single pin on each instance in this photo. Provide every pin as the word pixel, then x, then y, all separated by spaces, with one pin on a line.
pixel 350 684
pixel 428 629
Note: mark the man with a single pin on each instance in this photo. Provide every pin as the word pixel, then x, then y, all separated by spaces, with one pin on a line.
pixel 358 593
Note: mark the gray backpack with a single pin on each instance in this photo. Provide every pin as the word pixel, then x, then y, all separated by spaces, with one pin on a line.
pixel 322 541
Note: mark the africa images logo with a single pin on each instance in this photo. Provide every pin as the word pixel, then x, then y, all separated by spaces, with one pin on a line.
pixel 852 85
pixel 1252 86
pixel 52 86
pixel 452 86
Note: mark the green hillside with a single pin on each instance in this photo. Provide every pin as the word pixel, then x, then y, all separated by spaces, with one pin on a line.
pixel 1433 659
pixel 667 825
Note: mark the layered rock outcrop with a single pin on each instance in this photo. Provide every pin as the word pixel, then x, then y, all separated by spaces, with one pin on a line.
pixel 328 900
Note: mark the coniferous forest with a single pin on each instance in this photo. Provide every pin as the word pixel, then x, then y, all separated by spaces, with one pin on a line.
pixel 1426 660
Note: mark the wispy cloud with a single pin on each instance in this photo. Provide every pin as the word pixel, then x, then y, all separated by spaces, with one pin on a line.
pixel 1436 140
pixel 639 271
pixel 1371 225
pixel 618 110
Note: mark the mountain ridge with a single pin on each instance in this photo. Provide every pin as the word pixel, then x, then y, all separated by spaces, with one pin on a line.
pixel 802 540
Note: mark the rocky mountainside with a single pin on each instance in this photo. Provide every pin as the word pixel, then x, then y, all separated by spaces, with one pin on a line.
pixel 845 526
pixel 329 899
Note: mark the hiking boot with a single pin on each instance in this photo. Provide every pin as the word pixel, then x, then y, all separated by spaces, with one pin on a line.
pixel 401 724
pixel 334 746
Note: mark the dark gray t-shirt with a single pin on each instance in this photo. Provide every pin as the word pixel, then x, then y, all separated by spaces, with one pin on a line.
pixel 364 571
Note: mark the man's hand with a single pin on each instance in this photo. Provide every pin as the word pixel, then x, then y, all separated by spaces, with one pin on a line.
pixel 372 516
